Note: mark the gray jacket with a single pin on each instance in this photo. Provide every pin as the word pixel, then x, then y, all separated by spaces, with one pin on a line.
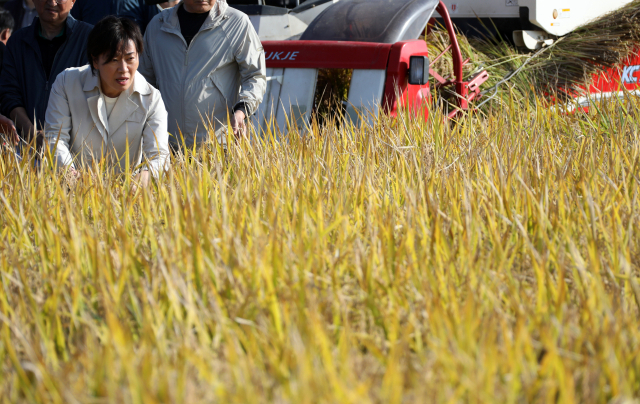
pixel 201 84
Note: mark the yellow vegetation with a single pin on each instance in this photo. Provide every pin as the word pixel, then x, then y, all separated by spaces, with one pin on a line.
pixel 492 261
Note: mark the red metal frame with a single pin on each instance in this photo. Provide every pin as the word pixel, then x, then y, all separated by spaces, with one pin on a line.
pixel 394 58
pixel 614 82
pixel 326 54
pixel 618 80
pixel 466 91
pixel 397 90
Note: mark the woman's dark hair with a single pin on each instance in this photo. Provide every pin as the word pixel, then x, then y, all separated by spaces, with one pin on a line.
pixel 110 37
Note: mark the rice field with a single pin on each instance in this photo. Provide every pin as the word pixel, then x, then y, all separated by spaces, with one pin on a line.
pixel 494 260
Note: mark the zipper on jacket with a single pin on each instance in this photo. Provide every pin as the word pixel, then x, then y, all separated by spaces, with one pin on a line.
pixel 48 78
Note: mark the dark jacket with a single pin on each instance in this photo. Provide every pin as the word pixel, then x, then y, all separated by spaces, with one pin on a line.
pixel 23 82
pixel 3 47
pixel 92 11
pixel 16 9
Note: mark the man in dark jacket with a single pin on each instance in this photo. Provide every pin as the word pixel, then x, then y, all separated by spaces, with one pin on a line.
pixel 92 11
pixel 23 12
pixel 33 59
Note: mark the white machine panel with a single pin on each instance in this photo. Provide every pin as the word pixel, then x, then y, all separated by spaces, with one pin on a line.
pixel 277 27
pixel 266 113
pixel 483 8
pixel 556 17
pixel 310 14
pixel 296 98
pixel 559 17
pixel 365 95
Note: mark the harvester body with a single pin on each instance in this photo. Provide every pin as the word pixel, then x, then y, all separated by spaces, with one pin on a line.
pixel 378 40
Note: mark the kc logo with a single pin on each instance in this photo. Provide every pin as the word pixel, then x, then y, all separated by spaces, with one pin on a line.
pixel 629 74
pixel 281 55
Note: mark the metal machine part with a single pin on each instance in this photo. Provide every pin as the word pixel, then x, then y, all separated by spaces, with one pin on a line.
pixel 310 9
pixel 542 20
pixel 380 82
pixel 273 21
pixel 382 21
pixel 561 17
pixel 533 40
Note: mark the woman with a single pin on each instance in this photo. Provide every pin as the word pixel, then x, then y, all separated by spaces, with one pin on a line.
pixel 106 111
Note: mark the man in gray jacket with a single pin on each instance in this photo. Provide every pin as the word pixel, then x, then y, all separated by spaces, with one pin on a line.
pixel 208 63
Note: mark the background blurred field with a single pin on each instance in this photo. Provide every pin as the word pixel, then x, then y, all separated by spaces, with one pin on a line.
pixel 495 260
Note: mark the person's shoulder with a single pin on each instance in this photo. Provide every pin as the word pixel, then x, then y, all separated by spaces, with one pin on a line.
pixel 75 73
pixel 158 19
pixel 81 28
pixel 236 22
pixel 237 16
pixel 163 16
pixel 18 35
pixel 142 86
pixel 149 97
pixel 155 22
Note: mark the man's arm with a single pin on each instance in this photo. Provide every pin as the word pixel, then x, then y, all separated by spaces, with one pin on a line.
pixel 23 123
pixel 146 65
pixel 11 93
pixel 250 58
pixel 7 128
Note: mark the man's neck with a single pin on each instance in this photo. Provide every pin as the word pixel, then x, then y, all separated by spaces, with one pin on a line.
pixel 50 31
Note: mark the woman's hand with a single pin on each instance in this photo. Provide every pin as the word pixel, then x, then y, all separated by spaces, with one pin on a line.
pixel 71 177
pixel 141 180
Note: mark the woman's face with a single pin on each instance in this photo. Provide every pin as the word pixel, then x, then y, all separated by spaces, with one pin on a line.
pixel 116 75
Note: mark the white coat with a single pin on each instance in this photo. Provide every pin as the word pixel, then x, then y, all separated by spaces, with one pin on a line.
pixel 224 65
pixel 78 132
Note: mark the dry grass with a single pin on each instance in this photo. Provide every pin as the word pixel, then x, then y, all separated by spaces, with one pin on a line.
pixel 495 261
pixel 561 70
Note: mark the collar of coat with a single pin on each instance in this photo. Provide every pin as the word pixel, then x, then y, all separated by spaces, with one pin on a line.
pixel 217 12
pixel 124 108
